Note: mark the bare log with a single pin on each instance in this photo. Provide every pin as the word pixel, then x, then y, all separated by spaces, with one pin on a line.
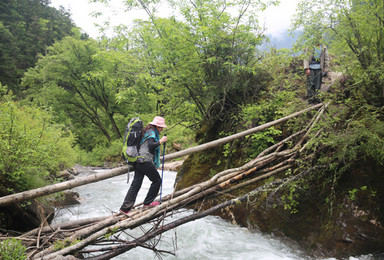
pixel 71 224
pixel 26 195
pixel 231 138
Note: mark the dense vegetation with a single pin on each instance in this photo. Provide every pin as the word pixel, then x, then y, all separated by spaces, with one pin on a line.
pixel 33 146
pixel 198 70
pixel 26 29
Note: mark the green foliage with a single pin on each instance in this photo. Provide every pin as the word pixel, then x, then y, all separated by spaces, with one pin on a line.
pixel 227 150
pixel 359 136
pixel 26 29
pixel 273 107
pixel 100 154
pixel 98 86
pixel 203 63
pixel 92 87
pixel 352 137
pixel 12 249
pixel 262 140
pixel 61 244
pixel 179 134
pixel 80 81
pixel 111 232
pixel 212 172
pixel 352 193
pixel 278 63
pixel 290 200
pixel 32 146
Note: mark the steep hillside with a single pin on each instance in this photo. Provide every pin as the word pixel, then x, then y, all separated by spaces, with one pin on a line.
pixel 335 208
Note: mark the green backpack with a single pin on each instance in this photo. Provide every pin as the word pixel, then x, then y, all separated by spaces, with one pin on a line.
pixel 132 140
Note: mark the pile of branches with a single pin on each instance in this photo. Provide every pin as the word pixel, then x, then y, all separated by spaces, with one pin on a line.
pixel 105 234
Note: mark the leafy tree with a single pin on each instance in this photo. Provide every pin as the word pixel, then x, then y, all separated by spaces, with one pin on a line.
pixel 355 30
pixel 80 80
pixel 9 72
pixel 203 63
pixel 26 29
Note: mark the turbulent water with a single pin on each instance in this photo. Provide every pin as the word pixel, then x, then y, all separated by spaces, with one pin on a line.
pixel 207 238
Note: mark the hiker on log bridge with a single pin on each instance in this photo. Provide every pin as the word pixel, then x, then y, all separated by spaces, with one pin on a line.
pixel 82 233
pixel 146 164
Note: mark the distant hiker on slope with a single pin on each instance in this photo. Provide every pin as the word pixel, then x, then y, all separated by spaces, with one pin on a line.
pixel 316 66
pixel 146 164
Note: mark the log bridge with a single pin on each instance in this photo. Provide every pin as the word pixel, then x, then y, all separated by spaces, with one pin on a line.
pixel 109 235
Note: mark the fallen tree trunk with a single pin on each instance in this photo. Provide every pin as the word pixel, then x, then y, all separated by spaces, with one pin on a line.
pixel 115 251
pixel 231 138
pixel 72 224
pixel 27 195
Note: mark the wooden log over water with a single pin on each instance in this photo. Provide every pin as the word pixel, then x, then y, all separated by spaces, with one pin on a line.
pixel 30 194
pixel 26 195
pixel 231 138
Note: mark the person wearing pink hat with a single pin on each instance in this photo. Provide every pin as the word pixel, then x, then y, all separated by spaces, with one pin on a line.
pixel 146 165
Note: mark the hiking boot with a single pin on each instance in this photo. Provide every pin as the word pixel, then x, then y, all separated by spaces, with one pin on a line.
pixel 124 212
pixel 152 204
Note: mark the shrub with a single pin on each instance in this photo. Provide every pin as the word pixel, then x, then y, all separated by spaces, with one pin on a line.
pixel 359 136
pixel 32 146
pixel 12 249
pixel 269 109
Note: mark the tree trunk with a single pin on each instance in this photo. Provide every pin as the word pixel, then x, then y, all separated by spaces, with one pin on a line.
pixel 228 139
pixel 30 194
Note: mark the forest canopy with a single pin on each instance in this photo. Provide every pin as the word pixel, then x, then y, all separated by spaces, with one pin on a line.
pixel 195 68
pixel 26 29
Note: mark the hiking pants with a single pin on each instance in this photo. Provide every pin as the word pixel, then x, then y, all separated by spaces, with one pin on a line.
pixel 142 169
pixel 314 83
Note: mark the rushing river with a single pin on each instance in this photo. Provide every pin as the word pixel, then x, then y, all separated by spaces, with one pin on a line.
pixel 207 238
